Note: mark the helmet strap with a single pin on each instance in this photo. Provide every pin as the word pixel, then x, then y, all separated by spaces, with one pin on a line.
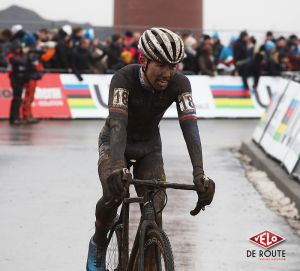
pixel 144 69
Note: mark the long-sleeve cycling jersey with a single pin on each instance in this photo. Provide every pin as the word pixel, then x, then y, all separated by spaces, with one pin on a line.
pixel 135 112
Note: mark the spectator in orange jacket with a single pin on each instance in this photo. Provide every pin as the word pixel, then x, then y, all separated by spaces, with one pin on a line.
pixel 33 74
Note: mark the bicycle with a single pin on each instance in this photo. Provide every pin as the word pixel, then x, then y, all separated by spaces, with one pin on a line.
pixel 151 249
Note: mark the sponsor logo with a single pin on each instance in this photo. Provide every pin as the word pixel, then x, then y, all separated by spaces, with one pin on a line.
pixel 47 93
pixel 6 93
pixel 267 239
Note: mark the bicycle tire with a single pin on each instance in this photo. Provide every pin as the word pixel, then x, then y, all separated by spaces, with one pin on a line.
pixel 113 252
pixel 155 240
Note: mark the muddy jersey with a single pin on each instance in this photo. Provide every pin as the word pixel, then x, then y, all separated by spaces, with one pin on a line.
pixel 135 112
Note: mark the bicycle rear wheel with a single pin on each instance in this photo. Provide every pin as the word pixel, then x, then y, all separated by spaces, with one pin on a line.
pixel 158 254
pixel 113 253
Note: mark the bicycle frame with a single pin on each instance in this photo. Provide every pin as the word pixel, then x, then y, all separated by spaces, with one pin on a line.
pixel 147 220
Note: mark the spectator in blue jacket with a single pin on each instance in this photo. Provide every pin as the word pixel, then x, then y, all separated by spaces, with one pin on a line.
pixel 226 59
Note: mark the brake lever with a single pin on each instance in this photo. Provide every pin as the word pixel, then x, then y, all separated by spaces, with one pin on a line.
pixel 197 209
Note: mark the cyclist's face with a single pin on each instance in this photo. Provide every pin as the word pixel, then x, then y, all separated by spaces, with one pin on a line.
pixel 159 74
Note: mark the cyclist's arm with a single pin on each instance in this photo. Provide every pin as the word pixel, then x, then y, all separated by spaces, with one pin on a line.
pixel 118 119
pixel 188 123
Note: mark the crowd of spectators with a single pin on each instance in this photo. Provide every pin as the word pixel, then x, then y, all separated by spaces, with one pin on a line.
pixel 77 50
pixel 26 56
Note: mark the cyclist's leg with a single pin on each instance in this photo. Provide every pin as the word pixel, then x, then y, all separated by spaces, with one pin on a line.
pixel 105 214
pixel 151 166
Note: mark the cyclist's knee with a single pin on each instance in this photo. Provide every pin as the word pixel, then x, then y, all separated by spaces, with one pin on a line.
pixel 105 215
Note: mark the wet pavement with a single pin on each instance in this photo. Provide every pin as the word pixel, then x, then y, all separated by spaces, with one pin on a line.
pixel 49 187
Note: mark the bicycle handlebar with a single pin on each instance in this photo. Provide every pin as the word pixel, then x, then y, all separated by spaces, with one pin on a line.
pixel 163 184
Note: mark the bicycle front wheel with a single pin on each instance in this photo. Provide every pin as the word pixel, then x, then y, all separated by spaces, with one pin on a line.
pixel 158 254
pixel 113 253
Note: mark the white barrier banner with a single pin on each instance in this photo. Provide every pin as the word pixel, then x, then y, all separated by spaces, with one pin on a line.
pixel 291 137
pixel 281 124
pixel 220 96
pixel 88 98
pixel 267 116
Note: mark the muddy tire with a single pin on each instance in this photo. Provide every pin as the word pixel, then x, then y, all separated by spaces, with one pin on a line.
pixel 158 254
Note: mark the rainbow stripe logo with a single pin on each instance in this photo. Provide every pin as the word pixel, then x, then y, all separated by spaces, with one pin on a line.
pixel 231 97
pixel 287 116
pixel 79 96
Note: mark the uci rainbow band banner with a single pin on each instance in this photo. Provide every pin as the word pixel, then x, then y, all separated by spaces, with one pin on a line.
pixel 63 96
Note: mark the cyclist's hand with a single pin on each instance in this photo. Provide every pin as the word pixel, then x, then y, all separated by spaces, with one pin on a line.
pixel 115 183
pixel 205 190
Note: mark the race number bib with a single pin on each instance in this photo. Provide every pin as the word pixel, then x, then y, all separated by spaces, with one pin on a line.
pixel 186 103
pixel 120 99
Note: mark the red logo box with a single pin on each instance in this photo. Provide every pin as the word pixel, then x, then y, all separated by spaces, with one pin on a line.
pixel 266 239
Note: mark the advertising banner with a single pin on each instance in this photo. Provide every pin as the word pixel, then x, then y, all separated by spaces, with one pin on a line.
pixel 63 96
pixel 272 141
pixel 49 100
pixel 267 116
pixel 291 137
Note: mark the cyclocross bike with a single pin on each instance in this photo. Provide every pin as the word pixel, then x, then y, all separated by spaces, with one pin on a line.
pixel 151 249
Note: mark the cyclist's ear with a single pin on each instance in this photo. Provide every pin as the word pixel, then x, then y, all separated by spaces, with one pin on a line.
pixel 144 62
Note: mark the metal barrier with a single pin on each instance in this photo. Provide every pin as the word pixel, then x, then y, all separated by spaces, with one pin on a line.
pixel 278 132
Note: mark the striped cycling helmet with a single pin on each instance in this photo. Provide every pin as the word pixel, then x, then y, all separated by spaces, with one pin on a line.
pixel 162 45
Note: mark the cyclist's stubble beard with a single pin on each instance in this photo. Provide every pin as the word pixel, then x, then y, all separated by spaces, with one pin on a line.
pixel 157 77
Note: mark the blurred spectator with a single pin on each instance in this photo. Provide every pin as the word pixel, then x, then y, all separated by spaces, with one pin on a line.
pixel 281 45
pixel 114 50
pixel 17 76
pixel 204 40
pixel 238 57
pixel 217 46
pixel 130 53
pixel 189 62
pixel 268 49
pixel 226 59
pixel 279 57
pixel 43 35
pixel 253 70
pixel 77 35
pixel 293 47
pixel 128 38
pixel 269 37
pixel 89 34
pixel 63 49
pixel 283 65
pixel 5 43
pixel 206 61
pixel 241 51
pixel 242 55
pixel 33 73
pixel 98 52
pixel 17 33
pixel 82 58
pixel 275 62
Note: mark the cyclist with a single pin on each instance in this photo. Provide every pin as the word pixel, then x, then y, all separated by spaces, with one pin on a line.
pixel 139 95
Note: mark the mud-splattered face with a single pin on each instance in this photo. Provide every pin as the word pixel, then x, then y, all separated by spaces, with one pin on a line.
pixel 159 75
